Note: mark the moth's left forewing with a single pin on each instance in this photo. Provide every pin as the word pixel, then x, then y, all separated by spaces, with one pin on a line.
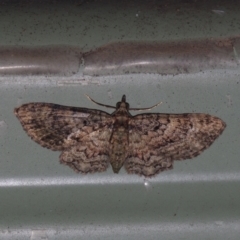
pixel 50 124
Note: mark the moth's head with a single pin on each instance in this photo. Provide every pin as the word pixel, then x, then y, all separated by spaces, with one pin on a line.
pixel 123 105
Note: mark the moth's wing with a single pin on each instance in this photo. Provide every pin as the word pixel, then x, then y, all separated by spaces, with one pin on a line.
pixel 88 150
pixel 82 134
pixel 156 140
pixel 50 124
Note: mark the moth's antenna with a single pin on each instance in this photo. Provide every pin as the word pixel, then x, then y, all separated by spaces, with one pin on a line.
pixel 100 104
pixel 144 109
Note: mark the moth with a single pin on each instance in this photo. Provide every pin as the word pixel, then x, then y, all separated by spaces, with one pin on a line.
pixel 145 144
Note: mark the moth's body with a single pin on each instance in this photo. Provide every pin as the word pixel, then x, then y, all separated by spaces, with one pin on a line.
pixel 119 141
pixel 145 144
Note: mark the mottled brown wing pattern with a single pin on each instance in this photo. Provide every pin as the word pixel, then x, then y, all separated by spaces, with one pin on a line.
pixel 50 124
pixel 156 140
pixel 82 134
pixel 89 152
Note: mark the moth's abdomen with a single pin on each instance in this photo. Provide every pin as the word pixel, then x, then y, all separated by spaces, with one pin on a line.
pixel 118 148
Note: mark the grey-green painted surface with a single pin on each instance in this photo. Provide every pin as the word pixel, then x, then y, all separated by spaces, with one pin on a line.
pixel 41 199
